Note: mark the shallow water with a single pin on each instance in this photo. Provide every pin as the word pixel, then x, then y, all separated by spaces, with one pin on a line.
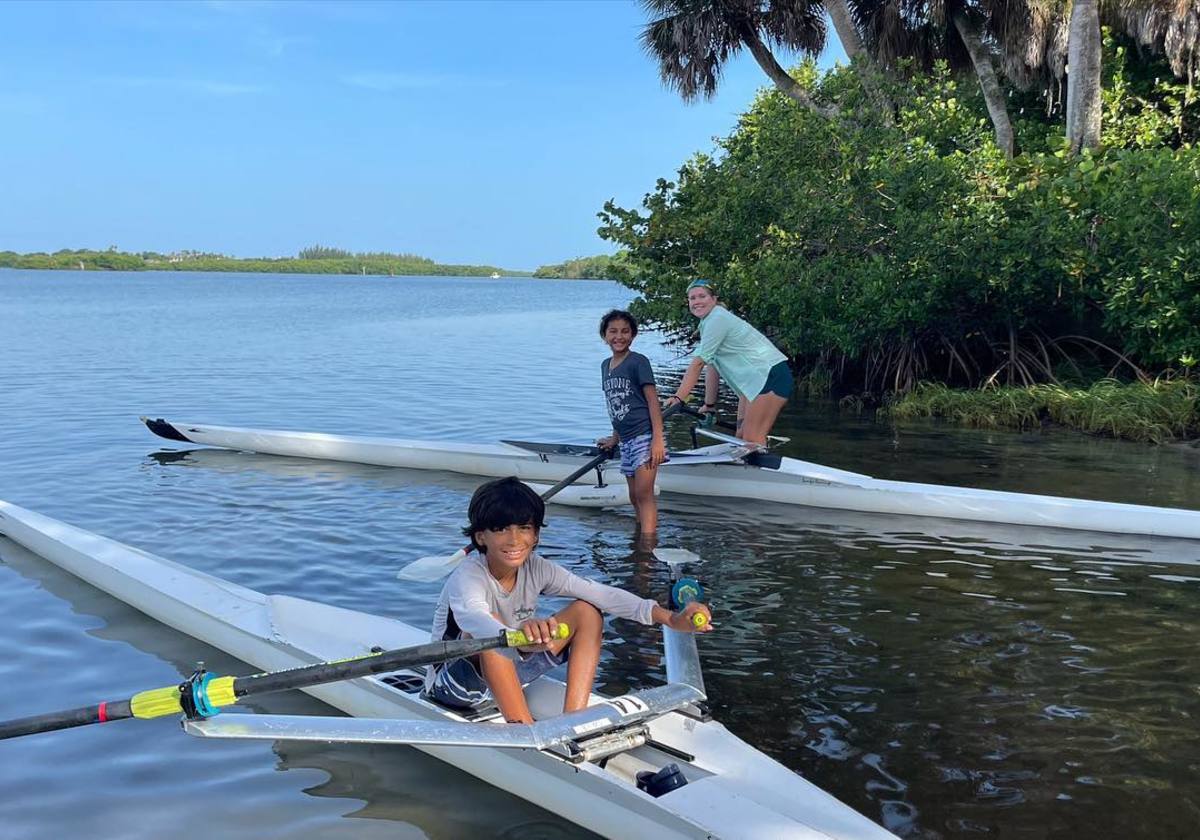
pixel 946 679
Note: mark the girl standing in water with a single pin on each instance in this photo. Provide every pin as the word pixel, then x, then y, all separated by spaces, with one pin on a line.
pixel 633 408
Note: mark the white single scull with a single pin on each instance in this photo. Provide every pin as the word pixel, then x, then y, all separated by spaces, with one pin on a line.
pixel 725 469
pixel 581 766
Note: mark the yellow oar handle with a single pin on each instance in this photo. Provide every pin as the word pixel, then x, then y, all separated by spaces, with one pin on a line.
pixel 158 702
pixel 518 639
pixel 699 620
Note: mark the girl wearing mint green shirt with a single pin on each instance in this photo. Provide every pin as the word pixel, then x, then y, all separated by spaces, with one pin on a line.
pixel 744 357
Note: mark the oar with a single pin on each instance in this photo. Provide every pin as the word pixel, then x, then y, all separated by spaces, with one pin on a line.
pixel 682 657
pixel 202 694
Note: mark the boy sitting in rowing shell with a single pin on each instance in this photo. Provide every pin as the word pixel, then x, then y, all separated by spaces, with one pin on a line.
pixel 497 588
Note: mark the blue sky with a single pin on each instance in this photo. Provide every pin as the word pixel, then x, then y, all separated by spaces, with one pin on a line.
pixel 465 132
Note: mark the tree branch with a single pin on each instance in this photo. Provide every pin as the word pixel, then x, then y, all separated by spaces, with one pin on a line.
pixel 782 79
pixel 992 93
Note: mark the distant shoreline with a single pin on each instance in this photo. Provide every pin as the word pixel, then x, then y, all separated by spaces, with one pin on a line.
pixel 509 275
pixel 364 265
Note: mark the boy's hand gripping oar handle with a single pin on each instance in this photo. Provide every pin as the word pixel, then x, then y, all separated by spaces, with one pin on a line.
pixel 517 638
pixel 684 590
pixel 202 694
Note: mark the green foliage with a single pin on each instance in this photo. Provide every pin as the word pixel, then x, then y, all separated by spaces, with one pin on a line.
pixel 319 260
pixel 602 267
pixel 886 254
pixel 1158 411
pixel 320 252
pixel 1020 408
pixel 1144 107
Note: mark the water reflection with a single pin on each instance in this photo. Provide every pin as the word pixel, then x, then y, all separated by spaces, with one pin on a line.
pixel 938 675
pixel 946 678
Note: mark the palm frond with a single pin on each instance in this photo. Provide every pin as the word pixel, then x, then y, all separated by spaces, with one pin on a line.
pixel 691 40
pixel 691 43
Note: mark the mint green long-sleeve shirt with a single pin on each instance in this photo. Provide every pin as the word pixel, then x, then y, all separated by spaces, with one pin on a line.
pixel 741 354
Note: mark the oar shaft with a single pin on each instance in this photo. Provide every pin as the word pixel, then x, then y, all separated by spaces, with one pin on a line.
pixel 83 716
pixel 374 663
pixel 570 479
pixel 225 690
pixel 603 456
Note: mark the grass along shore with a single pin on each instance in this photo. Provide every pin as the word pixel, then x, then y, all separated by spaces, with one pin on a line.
pixel 1158 411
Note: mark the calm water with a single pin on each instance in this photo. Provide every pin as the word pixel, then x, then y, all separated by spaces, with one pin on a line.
pixel 948 680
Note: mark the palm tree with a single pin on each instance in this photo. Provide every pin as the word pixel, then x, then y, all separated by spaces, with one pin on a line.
pixel 1045 41
pixel 1083 76
pixel 1033 33
pixel 1036 42
pixel 1168 26
pixel 929 30
pixel 993 94
pixel 692 40
pixel 846 27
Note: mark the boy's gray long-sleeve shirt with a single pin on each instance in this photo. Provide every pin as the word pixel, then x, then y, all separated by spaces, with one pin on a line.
pixel 472 596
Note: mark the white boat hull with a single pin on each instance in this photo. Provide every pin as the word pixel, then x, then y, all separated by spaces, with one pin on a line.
pixel 793 482
pixel 734 790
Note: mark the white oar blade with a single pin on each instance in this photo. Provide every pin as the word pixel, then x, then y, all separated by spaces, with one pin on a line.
pixel 429 569
pixel 676 556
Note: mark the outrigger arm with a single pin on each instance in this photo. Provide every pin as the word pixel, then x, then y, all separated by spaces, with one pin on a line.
pixel 575 732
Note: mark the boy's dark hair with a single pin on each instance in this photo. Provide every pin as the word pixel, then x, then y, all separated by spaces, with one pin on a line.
pixel 500 503
pixel 615 314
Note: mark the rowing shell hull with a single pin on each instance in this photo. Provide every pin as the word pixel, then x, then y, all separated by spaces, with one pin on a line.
pixel 792 482
pixel 734 791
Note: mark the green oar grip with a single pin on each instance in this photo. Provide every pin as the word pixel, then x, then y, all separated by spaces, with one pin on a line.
pixel 515 638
